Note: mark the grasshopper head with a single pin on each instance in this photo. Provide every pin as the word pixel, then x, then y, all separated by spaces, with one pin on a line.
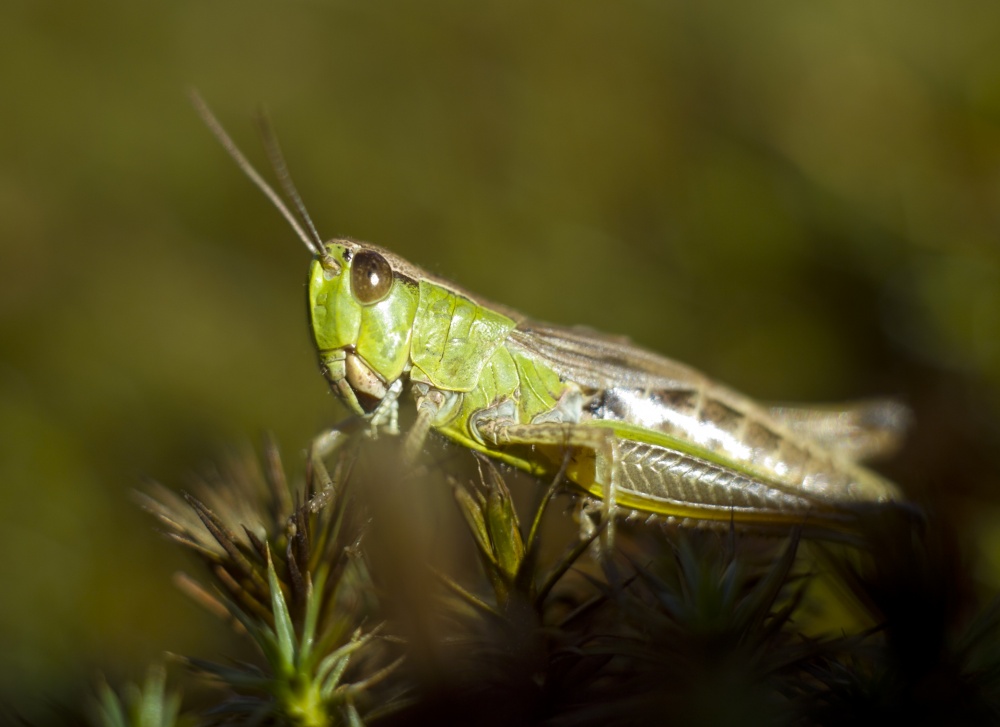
pixel 362 299
pixel 362 302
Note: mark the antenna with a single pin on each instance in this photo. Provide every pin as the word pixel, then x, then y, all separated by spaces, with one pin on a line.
pixel 280 168
pixel 314 243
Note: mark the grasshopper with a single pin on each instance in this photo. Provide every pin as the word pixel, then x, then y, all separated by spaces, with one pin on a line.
pixel 634 429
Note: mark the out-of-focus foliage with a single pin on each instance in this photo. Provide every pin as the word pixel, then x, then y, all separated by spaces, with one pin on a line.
pixel 800 199
pixel 360 613
pixel 150 705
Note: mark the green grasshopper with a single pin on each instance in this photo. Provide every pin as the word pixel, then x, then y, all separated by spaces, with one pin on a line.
pixel 634 429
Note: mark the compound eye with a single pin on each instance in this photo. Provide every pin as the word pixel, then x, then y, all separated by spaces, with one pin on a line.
pixel 371 277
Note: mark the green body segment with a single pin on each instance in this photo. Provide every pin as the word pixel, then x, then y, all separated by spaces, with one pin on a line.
pixel 534 390
pixel 454 339
pixel 461 346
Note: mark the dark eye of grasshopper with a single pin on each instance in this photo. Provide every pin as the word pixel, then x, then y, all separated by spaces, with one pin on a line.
pixel 371 277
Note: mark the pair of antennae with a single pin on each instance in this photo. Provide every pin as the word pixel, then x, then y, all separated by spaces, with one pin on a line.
pixel 302 224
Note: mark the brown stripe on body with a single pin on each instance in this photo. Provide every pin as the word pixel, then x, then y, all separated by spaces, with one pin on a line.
pixel 724 418
pixel 685 401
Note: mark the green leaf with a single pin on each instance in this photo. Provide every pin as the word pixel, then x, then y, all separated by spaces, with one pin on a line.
pixel 472 509
pixel 283 627
pixel 109 710
pixel 314 595
pixel 504 528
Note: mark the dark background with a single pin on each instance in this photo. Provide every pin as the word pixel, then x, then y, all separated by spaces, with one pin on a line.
pixel 802 200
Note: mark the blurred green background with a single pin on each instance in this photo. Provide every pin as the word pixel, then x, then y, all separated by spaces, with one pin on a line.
pixel 801 199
